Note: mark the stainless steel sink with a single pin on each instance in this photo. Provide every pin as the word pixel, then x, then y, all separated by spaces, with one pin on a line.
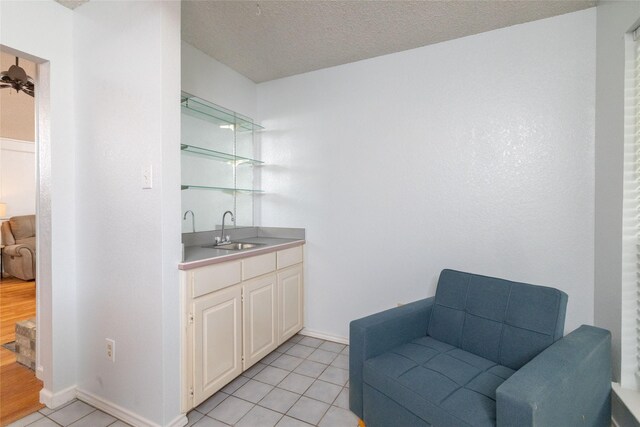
pixel 235 246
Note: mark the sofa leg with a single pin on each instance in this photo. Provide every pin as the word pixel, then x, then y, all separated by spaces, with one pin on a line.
pixel 360 423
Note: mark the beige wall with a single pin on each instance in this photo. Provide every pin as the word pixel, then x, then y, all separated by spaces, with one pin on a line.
pixel 17 114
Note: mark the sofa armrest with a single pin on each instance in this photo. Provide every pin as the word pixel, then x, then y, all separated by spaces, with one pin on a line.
pixel 17 250
pixel 376 334
pixel 568 384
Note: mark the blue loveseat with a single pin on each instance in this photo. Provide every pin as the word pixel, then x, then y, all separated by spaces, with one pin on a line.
pixel 482 352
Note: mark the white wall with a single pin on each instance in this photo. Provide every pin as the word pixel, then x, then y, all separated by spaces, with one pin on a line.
pixel 42 32
pixel 474 154
pixel 18 176
pixel 128 245
pixel 614 20
pixel 207 78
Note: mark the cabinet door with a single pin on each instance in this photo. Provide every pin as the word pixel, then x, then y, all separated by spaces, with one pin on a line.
pixel 217 341
pixel 290 302
pixel 259 319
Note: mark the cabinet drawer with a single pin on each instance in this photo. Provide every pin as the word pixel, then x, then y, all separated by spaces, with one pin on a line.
pixel 289 257
pixel 213 277
pixel 258 265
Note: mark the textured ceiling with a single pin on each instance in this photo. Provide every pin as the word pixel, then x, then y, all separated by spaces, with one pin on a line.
pixel 266 40
pixel 71 4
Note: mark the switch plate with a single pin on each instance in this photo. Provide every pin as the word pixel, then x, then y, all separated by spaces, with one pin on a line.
pixel 111 350
pixel 147 177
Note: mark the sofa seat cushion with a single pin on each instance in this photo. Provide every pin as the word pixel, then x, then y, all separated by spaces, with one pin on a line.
pixel 440 383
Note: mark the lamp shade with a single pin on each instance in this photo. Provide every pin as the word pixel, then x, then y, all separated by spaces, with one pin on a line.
pixel 3 210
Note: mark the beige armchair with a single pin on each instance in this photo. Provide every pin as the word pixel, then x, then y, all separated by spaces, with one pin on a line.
pixel 19 253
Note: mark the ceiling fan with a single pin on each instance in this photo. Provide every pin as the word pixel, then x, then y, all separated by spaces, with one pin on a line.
pixel 16 78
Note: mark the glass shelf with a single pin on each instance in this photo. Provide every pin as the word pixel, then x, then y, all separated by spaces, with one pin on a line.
pixel 230 190
pixel 218 150
pixel 218 155
pixel 205 110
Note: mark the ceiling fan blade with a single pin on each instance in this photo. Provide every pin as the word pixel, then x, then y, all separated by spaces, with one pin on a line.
pixel 16 78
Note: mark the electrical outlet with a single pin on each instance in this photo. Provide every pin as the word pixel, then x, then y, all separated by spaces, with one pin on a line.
pixel 111 350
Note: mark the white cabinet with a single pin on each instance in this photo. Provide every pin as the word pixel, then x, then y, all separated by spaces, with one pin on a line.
pixel 259 318
pixel 214 277
pixel 235 313
pixel 217 343
pixel 290 307
pixel 258 265
pixel 288 257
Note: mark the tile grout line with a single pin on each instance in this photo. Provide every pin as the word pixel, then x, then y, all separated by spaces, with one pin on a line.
pixel 116 420
pixel 273 387
pixel 44 416
pixel 84 416
pixel 276 386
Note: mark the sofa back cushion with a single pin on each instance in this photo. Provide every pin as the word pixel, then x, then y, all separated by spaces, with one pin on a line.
pixel 7 236
pixel 23 227
pixel 503 321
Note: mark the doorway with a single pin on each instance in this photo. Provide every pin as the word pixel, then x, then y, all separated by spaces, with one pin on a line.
pixel 19 386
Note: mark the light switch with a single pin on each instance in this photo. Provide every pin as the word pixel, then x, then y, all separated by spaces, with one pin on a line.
pixel 147 177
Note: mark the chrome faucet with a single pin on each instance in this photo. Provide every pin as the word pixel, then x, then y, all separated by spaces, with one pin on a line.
pixel 193 219
pixel 224 239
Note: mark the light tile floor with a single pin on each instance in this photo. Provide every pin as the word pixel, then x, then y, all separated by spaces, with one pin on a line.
pixel 75 413
pixel 304 382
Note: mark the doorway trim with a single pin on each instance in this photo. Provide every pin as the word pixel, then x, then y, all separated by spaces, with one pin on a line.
pixel 44 288
pixel 44 281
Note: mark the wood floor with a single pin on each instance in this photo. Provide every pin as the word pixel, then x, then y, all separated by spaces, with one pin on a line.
pixel 19 387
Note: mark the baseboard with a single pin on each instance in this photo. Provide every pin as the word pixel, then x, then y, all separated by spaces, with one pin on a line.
pixel 624 406
pixel 180 421
pixel 54 400
pixel 323 336
pixel 117 411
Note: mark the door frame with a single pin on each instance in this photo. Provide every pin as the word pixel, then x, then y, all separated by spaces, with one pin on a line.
pixel 44 282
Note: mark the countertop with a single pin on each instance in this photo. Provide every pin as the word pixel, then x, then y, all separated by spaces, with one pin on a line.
pixel 198 256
